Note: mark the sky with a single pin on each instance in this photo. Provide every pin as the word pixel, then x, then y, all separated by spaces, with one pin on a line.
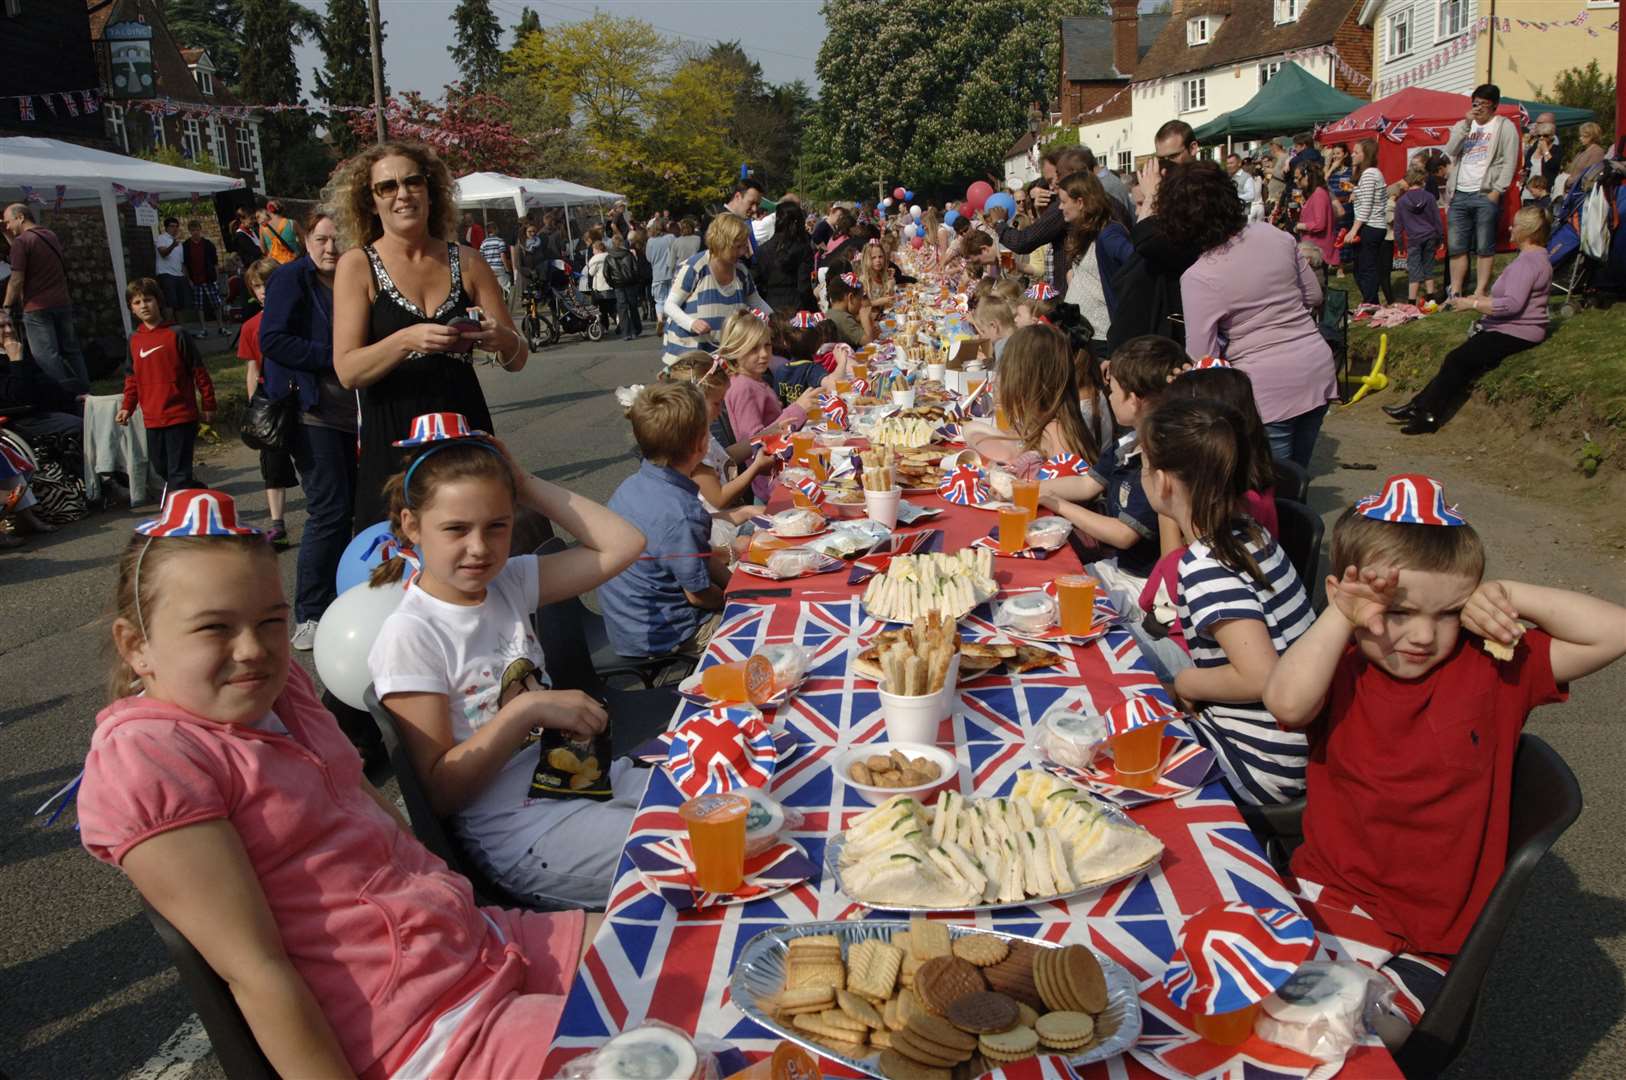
pixel 781 35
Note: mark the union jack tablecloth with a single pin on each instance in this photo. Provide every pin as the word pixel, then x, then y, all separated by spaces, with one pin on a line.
pixel 652 962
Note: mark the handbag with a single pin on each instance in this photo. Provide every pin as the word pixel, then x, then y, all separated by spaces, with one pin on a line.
pixel 268 423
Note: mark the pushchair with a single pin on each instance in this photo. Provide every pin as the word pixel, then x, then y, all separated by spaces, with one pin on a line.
pixel 554 307
pixel 1587 277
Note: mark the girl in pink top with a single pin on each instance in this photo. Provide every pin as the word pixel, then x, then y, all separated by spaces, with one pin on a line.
pixel 752 403
pixel 350 949
pixel 1318 223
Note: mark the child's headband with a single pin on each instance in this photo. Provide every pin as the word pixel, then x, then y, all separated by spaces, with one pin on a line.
pixel 1410 499
pixel 435 432
pixel 1041 290
pixel 806 320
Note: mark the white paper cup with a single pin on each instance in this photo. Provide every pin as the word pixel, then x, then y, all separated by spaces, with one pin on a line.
pixel 934 372
pixel 881 507
pixel 904 399
pixel 918 718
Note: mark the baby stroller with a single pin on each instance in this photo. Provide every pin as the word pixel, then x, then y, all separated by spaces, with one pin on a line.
pixel 1587 249
pixel 553 307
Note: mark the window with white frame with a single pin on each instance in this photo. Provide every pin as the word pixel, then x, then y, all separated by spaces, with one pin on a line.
pixel 218 148
pixel 1268 71
pixel 1197 30
pixel 206 80
pixel 1451 20
pixel 191 139
pixel 115 125
pixel 1193 95
pixel 1400 41
pixel 1288 11
pixel 245 148
pixel 1126 162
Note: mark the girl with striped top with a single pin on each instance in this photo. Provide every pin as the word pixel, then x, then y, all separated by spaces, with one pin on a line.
pixel 1241 602
pixel 1371 201
pixel 709 287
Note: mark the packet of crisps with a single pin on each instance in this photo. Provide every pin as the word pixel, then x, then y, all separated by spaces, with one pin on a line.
pixel 567 767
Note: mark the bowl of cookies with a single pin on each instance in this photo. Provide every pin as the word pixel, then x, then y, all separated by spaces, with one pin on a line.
pixel 881 770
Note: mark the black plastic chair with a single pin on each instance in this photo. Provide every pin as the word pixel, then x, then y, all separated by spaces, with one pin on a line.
pixel 229 1033
pixel 1301 533
pixel 1292 480
pixel 1546 800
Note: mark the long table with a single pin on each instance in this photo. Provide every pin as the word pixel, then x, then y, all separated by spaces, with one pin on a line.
pixel 649 962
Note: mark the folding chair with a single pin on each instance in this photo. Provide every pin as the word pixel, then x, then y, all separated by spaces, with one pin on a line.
pixel 1334 326
pixel 1292 480
pixel 234 1044
pixel 1301 533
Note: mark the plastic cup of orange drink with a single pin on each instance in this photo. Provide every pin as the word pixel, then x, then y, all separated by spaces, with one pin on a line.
pixel 716 826
pixel 1013 528
pixel 860 369
pixel 1137 755
pixel 1076 594
pixel 973 383
pixel 741 681
pixel 819 462
pixel 844 386
pixel 1225 1029
pixel 1001 421
pixel 787 1062
pixel 1025 493
pixel 801 444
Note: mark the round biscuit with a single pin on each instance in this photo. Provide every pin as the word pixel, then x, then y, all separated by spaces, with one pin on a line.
pixel 1085 980
pixel 894 1066
pixel 983 950
pixel 1064 1030
pixel 920 1050
pixel 942 1032
pixel 1019 1041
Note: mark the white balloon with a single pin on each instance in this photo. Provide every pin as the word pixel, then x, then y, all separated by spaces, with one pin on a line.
pixel 914 211
pixel 1014 184
pixel 345 636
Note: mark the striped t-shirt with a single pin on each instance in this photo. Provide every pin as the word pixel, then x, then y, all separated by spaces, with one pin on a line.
pixel 697 294
pixel 1369 200
pixel 1263 763
pixel 492 249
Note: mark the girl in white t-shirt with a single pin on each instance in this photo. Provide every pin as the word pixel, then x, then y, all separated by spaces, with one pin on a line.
pixel 460 667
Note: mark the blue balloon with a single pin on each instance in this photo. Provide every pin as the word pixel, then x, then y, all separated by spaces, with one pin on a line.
pixel 1004 199
pixel 361 555
pixel 951 217
pixel 908 196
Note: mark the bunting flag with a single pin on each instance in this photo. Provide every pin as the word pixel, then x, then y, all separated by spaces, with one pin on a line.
pixel 49 104
pixel 25 107
pixel 67 100
pixel 61 196
pixel 91 99
pixel 29 194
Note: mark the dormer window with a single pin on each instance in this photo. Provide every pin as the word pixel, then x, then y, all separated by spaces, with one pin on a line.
pixel 1199 30
pixel 1288 10
pixel 206 81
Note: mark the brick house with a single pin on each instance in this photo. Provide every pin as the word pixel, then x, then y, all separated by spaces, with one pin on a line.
pixel 182 105
pixel 1215 55
pixel 1100 55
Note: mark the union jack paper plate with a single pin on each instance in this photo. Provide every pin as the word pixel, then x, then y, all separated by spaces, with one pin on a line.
pixel 1106 617
pixel 655 751
pixel 759 973
pixel 1185 767
pixel 666 868
pixel 822 565
pixel 1169 1047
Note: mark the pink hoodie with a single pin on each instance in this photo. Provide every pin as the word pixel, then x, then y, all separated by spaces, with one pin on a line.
pixel 386 937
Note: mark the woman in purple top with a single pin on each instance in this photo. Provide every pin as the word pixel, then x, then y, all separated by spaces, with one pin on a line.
pixel 1318 220
pixel 1515 320
pixel 1249 297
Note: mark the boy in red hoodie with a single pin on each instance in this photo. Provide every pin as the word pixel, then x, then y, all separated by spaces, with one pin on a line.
pixel 163 368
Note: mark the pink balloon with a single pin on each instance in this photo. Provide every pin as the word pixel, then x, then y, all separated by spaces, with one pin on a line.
pixel 897 193
pixel 917 241
pixel 978 193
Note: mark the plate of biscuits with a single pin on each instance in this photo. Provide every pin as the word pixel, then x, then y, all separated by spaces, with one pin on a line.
pixel 918 1000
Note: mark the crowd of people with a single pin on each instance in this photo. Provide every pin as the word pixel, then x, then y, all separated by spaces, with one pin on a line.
pixel 1157 333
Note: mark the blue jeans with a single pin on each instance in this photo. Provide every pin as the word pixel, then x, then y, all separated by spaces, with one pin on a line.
pixel 1471 224
pixel 326 459
pixel 627 300
pixel 55 345
pixel 1294 438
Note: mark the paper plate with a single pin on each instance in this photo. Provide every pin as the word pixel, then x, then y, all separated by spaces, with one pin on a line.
pixel 667 869
pixel 760 973
pixel 1186 765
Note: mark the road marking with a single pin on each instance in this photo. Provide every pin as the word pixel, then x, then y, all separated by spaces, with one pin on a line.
pixel 174 1060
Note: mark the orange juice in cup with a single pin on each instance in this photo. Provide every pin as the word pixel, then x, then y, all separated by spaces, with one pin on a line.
pixel 819 461
pixel 844 386
pixel 1025 493
pixel 739 682
pixel 1226 1029
pixel 973 383
pixel 801 445
pixel 815 413
pixel 717 839
pixel 787 1062
pixel 1136 755
pixel 1013 529
pixel 1001 421
pixel 1076 594
pixel 860 369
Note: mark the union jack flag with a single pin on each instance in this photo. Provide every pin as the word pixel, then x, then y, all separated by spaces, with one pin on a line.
pixel 775 446
pixel 1410 499
pixel 667 868
pixel 964 485
pixel 1048 1067
pixel 25 106
pixel 73 106
pixel 835 412
pixel 897 544
pixel 434 427
pixel 1041 290
pixel 861 387
pixel 721 749
pixel 1137 712
pixel 1396 132
pixel 813 491
pixel 806 320
pixel 1209 362
pixel 91 102
pixel 196 512
pixel 1063 465
pixel 1169 1047
pixel 1230 956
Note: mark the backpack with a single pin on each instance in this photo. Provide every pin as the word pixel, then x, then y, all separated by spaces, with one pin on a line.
pixel 621 269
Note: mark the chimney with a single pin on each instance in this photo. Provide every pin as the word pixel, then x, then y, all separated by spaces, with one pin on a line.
pixel 1125 36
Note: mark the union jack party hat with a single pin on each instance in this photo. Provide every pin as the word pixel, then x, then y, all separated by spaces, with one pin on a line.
pixel 964 485
pixel 1210 362
pixel 721 749
pixel 437 427
pixel 1230 956
pixel 852 281
pixel 1410 499
pixel 195 512
pixel 759 314
pixel 1137 712
pixel 835 411
pixel 812 490
pixel 1041 290
pixel 806 320
pixel 1064 465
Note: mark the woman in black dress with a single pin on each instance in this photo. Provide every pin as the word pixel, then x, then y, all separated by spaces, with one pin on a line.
pixel 784 265
pixel 401 282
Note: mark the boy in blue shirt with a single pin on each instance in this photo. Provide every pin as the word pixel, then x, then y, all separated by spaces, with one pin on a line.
pixel 671 598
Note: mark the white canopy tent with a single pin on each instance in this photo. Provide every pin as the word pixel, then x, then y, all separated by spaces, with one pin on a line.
pixel 486 189
pixel 90 177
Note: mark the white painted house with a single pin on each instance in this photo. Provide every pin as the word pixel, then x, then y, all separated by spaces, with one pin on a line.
pixel 1434 34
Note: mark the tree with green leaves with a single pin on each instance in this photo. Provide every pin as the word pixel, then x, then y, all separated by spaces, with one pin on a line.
pixel 529 23
pixel 1584 88
pixel 764 122
pixel 927 93
pixel 684 156
pixel 212 25
pixel 296 163
pixel 346 74
pixel 604 66
pixel 478 45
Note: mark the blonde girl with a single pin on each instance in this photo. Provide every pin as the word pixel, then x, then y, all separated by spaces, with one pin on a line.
pixel 752 400
pixel 215 762
pixel 720 479
pixel 876 274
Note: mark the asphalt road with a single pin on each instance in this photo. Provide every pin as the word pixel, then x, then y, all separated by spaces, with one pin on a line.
pixel 87 990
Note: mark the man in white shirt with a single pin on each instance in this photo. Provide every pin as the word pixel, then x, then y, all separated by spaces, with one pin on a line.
pixel 1485 148
pixel 1247 188
pixel 170 267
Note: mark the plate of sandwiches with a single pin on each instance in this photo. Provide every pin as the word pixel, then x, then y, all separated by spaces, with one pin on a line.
pixel 926 1000
pixel 976 657
pixel 1047 840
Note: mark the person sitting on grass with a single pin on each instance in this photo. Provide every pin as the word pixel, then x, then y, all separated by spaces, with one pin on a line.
pixel 671 598
pixel 1413 726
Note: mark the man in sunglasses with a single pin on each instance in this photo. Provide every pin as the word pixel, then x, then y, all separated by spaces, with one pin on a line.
pixel 1175 144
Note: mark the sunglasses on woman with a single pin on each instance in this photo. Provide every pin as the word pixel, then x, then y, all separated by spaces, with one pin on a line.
pixel 386 188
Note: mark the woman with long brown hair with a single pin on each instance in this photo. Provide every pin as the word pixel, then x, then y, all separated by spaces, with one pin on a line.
pixel 1095 248
pixel 400 288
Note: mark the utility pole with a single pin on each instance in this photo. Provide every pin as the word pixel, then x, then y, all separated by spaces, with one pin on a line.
pixel 1620 80
pixel 373 33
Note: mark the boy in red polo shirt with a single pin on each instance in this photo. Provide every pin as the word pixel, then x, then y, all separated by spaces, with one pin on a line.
pixel 163 369
pixel 1413 727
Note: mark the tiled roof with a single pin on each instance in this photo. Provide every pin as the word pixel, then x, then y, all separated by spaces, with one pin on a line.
pixel 1248 31
pixel 1086 46
pixel 1020 147
pixel 169 61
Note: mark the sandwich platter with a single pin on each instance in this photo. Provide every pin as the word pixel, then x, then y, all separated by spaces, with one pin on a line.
pixel 1048 840
pixel 915 586
pixel 760 975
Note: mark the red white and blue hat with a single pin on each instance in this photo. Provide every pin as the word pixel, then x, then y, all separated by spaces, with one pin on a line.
pixel 1410 499
pixel 806 320
pixel 722 749
pixel 1209 362
pixel 1041 290
pixel 852 281
pixel 759 314
pixel 1068 464
pixel 437 427
pixel 1230 956
pixel 195 512
pixel 964 485
pixel 1137 712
